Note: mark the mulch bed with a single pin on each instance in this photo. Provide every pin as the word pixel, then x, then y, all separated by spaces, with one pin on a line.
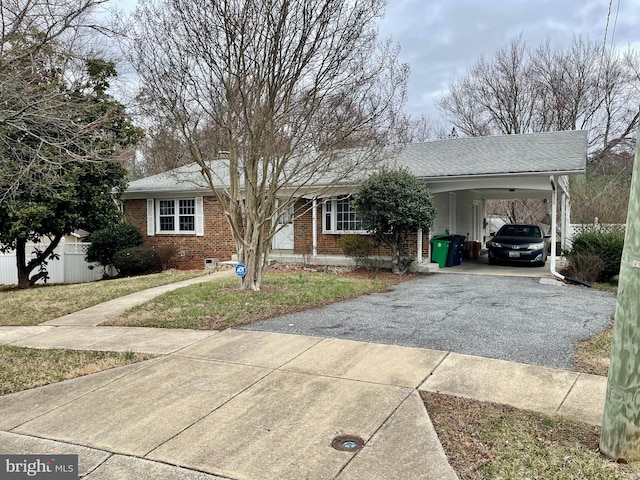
pixel 343 271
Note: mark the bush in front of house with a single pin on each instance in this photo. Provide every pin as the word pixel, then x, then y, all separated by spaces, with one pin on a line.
pixel 136 260
pixel 106 242
pixel 392 205
pixel 357 247
pixel 165 254
pixel 603 245
pixel 361 249
pixel 587 267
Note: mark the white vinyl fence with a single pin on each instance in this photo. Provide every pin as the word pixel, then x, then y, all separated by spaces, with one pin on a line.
pixel 576 228
pixel 71 267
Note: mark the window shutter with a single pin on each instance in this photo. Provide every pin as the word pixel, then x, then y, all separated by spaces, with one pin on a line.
pixel 199 217
pixel 150 217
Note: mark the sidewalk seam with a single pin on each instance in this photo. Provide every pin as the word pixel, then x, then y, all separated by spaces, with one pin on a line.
pixel 111 455
pixel 557 410
pixel 270 371
pixel 433 371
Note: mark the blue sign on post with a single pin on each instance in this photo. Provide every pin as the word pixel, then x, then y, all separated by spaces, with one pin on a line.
pixel 241 270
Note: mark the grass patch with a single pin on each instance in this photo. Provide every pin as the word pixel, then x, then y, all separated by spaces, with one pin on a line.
pixel 487 441
pixel 593 354
pixel 25 368
pixel 38 304
pixel 611 286
pixel 219 305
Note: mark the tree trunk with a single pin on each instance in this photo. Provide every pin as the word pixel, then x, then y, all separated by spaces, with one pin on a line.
pixel 255 255
pixel 25 268
pixel 620 439
pixel 21 264
pixel 395 259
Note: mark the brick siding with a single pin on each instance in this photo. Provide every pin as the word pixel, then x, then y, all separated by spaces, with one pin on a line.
pixel 190 250
pixel 329 244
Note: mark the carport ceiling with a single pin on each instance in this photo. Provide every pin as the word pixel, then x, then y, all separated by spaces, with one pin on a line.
pixel 524 185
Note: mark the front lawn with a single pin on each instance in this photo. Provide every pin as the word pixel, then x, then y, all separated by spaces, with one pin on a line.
pixel 25 368
pixel 38 304
pixel 593 354
pixel 484 440
pixel 219 305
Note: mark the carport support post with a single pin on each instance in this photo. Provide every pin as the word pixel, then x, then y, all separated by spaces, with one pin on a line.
pixel 620 439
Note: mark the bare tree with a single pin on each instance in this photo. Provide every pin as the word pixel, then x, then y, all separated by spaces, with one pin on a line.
pixel 288 83
pixel 604 192
pixel 585 87
pixel 521 90
pixel 520 210
pixel 423 129
pixel 496 96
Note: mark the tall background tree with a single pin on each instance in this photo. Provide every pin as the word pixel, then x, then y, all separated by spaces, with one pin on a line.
pixel 584 86
pixel 43 45
pixel 60 131
pixel 283 86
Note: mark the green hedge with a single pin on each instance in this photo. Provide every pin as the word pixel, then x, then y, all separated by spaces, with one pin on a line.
pixel 106 242
pixel 606 245
pixel 136 261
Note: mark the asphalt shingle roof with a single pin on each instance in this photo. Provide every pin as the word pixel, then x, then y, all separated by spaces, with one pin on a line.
pixel 553 152
pixel 549 152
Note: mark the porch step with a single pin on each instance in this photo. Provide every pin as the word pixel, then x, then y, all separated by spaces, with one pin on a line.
pixel 426 267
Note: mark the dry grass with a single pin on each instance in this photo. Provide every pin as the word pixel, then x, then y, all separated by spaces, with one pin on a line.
pixel 25 368
pixel 487 441
pixel 593 354
pixel 39 304
pixel 219 305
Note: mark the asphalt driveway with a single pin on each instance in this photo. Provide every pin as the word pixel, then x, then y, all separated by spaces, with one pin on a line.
pixel 528 320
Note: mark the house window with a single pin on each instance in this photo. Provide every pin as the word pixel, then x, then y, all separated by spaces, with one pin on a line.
pixel 340 216
pixel 177 216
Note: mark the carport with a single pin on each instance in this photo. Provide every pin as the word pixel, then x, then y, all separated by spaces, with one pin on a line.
pixel 465 173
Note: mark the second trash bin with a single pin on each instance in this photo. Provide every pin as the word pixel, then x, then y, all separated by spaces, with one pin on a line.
pixel 440 249
pixel 456 250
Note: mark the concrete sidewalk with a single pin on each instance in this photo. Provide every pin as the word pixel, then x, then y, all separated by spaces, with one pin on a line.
pixel 245 404
pixel 97 314
pixel 258 405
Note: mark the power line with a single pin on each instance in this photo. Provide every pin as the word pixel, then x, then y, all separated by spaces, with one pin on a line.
pixel 615 23
pixel 606 28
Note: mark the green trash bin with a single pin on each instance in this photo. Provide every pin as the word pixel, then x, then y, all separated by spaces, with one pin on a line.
pixel 440 249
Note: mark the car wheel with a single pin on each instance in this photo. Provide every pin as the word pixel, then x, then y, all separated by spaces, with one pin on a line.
pixel 492 261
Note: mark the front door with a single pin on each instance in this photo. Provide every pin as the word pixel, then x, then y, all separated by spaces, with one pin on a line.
pixel 283 239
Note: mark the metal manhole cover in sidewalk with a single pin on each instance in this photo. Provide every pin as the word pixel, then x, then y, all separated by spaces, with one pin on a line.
pixel 347 443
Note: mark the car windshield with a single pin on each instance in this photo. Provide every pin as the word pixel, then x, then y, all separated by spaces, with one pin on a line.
pixel 519 231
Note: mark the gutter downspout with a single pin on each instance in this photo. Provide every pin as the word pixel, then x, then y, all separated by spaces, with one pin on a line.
pixel 314 228
pixel 554 221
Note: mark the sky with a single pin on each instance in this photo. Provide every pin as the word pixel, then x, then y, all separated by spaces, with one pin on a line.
pixel 442 39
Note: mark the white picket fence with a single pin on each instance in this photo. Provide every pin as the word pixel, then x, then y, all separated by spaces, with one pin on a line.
pixel 71 267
